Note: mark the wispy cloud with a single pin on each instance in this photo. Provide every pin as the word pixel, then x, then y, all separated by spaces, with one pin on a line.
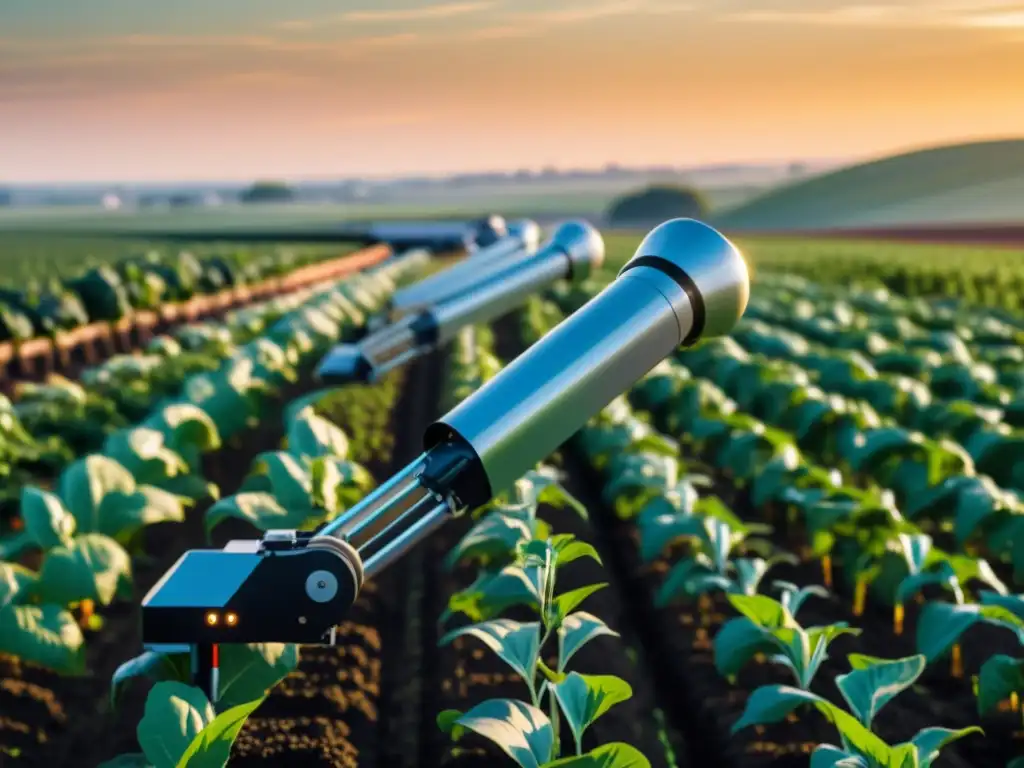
pixel 598 10
pixel 439 11
pixel 516 24
pixel 924 13
pixel 388 16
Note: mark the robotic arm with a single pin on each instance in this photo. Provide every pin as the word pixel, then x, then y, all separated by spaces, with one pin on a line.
pixel 478 290
pixel 686 282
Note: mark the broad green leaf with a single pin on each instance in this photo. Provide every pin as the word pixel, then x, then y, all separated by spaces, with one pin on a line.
pixel 175 713
pixel 793 597
pixel 940 625
pixel 84 485
pixel 142 452
pixel 930 741
pixel 567 602
pixel 737 642
pixel 1012 603
pixel 680 577
pixel 47 522
pixel 15 582
pixel 520 730
pixel 914 583
pixel 495 536
pixel 158 667
pixel 770 704
pixel 827 756
pixel 211 747
pixel 613 755
pixel 187 429
pixel 763 611
pixel 567 551
pixel 290 482
pixel 870 687
pixel 311 436
pixel 122 515
pixel 493 593
pixel 554 495
pixel 261 510
pixel 93 567
pixel 576 630
pixel 515 643
pixel 584 698
pixel 46 635
pixel 818 640
pixel 248 671
pixel 657 533
pixel 447 722
pixel 999 677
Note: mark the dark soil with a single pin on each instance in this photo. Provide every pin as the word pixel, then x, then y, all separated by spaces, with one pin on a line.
pixel 698 699
pixel 465 673
pixel 48 719
pixel 335 709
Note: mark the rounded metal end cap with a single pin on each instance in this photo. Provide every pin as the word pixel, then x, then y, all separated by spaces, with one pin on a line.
pixel 584 245
pixel 526 230
pixel 344 364
pixel 490 230
pixel 709 261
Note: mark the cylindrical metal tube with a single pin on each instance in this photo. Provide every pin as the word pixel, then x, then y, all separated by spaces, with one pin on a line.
pixel 686 280
pixel 575 250
pixel 479 266
pixel 390 545
pixel 545 395
pixel 506 291
pixel 375 501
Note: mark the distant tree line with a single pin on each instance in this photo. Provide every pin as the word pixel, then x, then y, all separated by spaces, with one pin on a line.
pixel 268 192
pixel 655 204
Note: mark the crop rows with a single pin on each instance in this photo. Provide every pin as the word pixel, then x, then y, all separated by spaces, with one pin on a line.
pixel 72 547
pixel 873 438
pixel 806 534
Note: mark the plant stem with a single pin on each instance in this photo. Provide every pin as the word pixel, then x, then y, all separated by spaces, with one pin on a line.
pixel 897 618
pixel 957 662
pixel 826 570
pixel 859 597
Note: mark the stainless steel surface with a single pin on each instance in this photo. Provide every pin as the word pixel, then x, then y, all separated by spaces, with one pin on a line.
pixel 714 264
pixel 396 547
pixel 575 249
pixel 540 399
pixel 373 501
pixel 583 244
pixel 550 391
pixel 504 292
pixel 472 269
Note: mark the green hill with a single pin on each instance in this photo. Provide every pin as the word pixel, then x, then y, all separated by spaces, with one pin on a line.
pixel 962 183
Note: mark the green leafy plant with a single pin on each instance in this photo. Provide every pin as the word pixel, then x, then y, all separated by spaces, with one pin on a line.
pixel 867 689
pixel 767 627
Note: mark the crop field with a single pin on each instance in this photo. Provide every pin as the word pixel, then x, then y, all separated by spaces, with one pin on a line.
pixel 798 546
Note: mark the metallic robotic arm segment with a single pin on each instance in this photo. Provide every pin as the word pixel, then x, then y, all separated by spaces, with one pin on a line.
pixel 575 250
pixel 685 282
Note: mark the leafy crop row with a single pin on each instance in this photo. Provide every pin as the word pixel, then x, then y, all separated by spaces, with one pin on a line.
pixel 518 561
pixel 141 282
pixel 74 543
pixel 816 407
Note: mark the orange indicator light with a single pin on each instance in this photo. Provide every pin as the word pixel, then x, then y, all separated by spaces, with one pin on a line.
pixel 211 619
pixel 231 619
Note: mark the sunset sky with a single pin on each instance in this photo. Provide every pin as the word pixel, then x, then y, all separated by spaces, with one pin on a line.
pixel 233 89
